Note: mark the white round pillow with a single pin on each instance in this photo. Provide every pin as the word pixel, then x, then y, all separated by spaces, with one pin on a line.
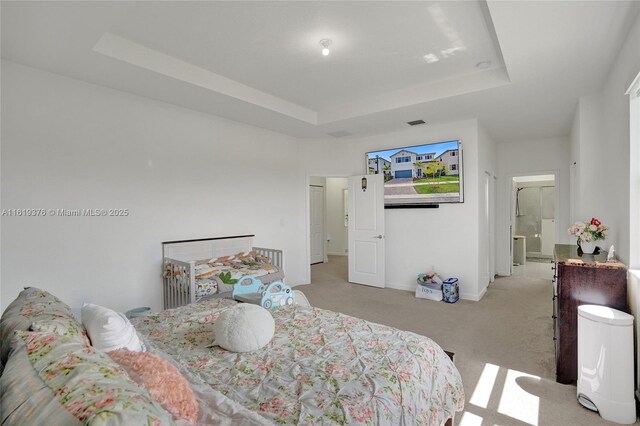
pixel 243 328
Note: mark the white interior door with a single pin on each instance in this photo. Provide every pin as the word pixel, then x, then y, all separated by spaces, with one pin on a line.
pixel 316 197
pixel 366 230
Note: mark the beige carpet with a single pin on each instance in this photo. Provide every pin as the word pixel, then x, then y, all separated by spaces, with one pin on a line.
pixel 508 335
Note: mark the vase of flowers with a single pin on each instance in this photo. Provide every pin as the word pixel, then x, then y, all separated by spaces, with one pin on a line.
pixel 588 233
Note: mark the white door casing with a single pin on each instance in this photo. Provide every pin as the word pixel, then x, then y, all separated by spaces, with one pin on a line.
pixel 366 231
pixel 316 221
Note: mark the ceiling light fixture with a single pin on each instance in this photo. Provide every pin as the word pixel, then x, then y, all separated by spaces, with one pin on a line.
pixel 325 43
pixel 483 65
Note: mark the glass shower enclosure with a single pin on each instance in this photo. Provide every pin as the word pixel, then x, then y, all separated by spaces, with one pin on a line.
pixel 535 217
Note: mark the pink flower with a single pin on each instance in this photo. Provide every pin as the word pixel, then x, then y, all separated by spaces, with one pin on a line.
pixel 316 339
pixel 592 230
pixel 403 376
pixel 360 414
pixel 304 379
pixel 104 402
pixel 275 406
pixel 265 366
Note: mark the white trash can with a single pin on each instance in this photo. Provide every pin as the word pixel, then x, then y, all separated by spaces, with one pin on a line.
pixel 605 363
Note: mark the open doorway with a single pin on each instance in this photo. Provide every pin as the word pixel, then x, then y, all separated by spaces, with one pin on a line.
pixel 533 230
pixel 328 228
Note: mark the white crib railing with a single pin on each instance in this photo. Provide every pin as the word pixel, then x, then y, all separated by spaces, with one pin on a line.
pixel 274 256
pixel 179 283
pixel 180 278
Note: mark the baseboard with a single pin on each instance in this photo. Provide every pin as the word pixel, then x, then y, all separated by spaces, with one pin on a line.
pixel 337 254
pixel 401 286
pixel 473 297
pixel 483 292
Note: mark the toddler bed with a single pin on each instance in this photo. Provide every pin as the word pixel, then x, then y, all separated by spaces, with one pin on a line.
pixel 194 270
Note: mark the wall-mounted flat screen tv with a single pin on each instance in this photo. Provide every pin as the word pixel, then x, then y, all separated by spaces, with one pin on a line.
pixel 420 175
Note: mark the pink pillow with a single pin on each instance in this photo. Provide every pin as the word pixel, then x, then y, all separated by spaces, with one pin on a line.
pixel 162 380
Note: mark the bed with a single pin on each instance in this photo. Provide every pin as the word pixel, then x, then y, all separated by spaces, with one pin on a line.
pixel 195 270
pixel 321 368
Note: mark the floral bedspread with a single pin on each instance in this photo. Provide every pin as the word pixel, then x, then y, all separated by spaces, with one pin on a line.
pixel 321 367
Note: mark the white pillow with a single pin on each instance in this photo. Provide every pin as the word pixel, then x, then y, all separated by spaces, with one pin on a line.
pixel 243 328
pixel 109 330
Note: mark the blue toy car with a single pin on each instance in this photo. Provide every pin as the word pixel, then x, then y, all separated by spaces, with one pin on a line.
pixel 251 290
pixel 276 294
pixel 247 285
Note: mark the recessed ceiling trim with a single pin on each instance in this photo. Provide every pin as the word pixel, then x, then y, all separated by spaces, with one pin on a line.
pixel 136 54
pixel 492 32
pixel 455 86
pixel 340 134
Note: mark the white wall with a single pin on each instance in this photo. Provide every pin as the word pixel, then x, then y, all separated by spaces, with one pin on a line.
pixel 574 155
pixel 634 181
pixel 547 156
pixel 605 163
pixel 417 239
pixel 317 181
pixel 588 158
pixel 616 127
pixel 182 174
pixel 338 243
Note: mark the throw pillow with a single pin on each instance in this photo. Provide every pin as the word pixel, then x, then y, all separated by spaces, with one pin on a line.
pixel 243 328
pixel 109 330
pixel 162 380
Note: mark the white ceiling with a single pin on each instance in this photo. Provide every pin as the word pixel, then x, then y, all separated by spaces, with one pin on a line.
pixel 260 62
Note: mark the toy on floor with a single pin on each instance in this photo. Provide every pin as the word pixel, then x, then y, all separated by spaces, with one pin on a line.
pixel 429 286
pixel 251 290
pixel 450 290
pixel 429 278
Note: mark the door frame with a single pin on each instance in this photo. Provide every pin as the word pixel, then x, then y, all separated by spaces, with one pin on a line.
pixel 509 209
pixel 307 220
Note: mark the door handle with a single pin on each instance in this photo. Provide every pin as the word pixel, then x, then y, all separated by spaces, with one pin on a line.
pixel 379 237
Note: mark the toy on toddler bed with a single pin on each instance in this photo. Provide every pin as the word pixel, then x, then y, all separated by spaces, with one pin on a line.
pixel 251 290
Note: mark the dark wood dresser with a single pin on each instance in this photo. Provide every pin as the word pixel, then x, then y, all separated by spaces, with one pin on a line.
pixel 581 279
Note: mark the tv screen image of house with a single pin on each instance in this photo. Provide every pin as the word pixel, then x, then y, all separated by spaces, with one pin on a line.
pixel 421 174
